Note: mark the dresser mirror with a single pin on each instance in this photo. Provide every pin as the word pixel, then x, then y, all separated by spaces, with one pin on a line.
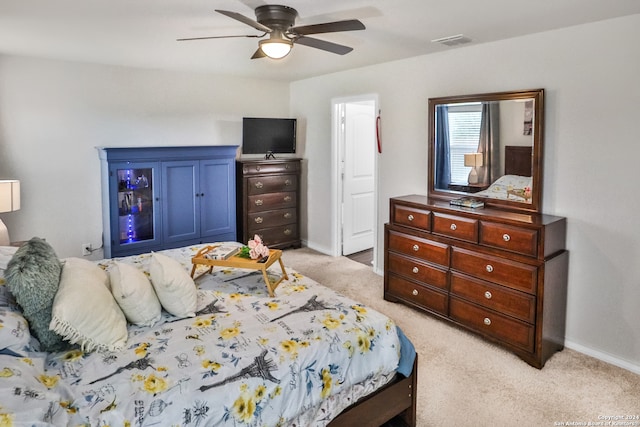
pixel 488 146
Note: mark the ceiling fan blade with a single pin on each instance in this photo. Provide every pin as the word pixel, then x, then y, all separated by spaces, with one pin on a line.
pixel 329 27
pixel 218 37
pixel 258 54
pixel 324 45
pixel 238 17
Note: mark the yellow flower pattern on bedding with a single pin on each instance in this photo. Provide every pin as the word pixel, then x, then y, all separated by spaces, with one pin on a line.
pixel 245 359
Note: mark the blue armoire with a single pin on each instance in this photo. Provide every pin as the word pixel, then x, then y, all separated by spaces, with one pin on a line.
pixel 165 197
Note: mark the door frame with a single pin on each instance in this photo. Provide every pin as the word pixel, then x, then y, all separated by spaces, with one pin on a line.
pixel 336 182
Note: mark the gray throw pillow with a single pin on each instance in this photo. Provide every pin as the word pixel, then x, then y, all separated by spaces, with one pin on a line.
pixel 33 277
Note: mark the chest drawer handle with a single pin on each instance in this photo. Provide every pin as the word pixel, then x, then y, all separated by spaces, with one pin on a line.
pixel 259 202
pixel 487 321
pixel 453 227
pixel 287 198
pixel 506 237
pixel 415 292
pixel 488 295
pixel 286 166
pixel 258 168
pixel 489 268
pixel 287 182
pixel 410 217
pixel 416 248
pixel 415 270
pixel 259 184
pixel 258 220
pixel 287 231
pixel 287 215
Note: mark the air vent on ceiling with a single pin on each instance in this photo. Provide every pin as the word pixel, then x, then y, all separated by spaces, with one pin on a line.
pixel 453 40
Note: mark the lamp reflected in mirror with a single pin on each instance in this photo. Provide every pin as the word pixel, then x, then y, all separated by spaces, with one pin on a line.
pixel 473 160
pixel 9 202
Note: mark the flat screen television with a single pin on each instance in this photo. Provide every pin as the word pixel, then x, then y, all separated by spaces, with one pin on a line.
pixel 268 136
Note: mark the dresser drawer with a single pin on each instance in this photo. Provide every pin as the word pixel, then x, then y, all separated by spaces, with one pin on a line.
pixel 271 218
pixel 505 272
pixel 521 240
pixel 412 217
pixel 412 269
pixel 272 184
pixel 488 322
pixel 424 249
pixel 266 202
pixel 276 235
pixel 417 294
pixel 455 226
pixel 495 297
pixel 269 167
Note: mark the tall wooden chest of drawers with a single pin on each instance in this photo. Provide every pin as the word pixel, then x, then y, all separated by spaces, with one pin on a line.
pixel 498 273
pixel 268 201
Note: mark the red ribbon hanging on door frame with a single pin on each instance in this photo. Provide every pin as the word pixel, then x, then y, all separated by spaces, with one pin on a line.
pixel 378 139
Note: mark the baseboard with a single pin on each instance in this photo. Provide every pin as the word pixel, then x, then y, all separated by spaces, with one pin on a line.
pixel 321 249
pixel 605 357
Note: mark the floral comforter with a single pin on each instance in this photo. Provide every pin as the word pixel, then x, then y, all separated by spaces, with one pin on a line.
pixel 245 360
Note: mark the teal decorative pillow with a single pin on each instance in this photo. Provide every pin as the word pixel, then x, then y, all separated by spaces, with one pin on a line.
pixel 33 277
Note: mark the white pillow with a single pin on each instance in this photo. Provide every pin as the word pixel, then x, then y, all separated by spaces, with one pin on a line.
pixel 134 294
pixel 84 311
pixel 176 290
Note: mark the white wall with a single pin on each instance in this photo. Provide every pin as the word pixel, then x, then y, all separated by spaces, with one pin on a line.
pixel 590 76
pixel 53 114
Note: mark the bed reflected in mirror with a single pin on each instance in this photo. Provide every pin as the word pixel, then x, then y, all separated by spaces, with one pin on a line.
pixel 488 146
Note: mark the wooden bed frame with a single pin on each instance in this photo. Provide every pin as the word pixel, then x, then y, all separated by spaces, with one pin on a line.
pixel 393 405
pixel 518 160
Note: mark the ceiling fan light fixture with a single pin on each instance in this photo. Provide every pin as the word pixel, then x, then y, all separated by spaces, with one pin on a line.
pixel 276 48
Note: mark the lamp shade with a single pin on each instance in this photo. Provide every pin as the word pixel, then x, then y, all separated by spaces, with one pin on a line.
pixel 9 195
pixel 276 48
pixel 473 159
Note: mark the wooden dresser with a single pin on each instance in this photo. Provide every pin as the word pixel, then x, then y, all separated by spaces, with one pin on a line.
pixel 499 273
pixel 268 197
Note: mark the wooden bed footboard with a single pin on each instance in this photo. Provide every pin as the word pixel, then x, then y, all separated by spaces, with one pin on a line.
pixel 392 405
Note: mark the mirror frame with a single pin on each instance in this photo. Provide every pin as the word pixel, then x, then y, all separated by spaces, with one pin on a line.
pixel 537 150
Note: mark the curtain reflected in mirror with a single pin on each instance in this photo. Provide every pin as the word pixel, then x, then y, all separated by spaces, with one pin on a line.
pixel 487 145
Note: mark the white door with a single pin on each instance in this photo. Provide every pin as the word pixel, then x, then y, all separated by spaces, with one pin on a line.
pixel 358 209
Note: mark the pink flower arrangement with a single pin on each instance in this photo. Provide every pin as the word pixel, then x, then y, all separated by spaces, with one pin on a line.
pixel 256 248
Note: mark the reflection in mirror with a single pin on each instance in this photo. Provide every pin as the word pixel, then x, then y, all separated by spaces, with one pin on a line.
pixel 488 145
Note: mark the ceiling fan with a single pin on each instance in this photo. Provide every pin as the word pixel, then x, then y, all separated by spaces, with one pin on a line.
pixel 278 22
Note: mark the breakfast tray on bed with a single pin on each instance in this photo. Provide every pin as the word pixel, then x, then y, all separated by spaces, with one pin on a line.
pixel 236 261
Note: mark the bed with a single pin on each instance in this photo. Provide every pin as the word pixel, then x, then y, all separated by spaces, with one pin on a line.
pixel 307 356
pixel 516 183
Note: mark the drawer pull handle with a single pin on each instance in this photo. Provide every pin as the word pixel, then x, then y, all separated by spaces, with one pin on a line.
pixel 488 295
pixel 453 227
pixel 506 237
pixel 489 268
pixel 287 182
pixel 259 202
pixel 287 198
pixel 258 220
pixel 287 215
pixel 415 248
pixel 259 184
pixel 287 231
pixel 415 292
pixel 415 270
pixel 286 166
pixel 410 217
pixel 258 168
pixel 487 321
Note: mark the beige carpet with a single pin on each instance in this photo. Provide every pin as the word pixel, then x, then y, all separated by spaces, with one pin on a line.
pixel 465 381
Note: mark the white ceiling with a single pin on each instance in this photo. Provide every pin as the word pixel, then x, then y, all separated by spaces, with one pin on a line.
pixel 142 33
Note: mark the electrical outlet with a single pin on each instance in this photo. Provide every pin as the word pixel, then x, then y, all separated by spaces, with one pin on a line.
pixel 86 249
